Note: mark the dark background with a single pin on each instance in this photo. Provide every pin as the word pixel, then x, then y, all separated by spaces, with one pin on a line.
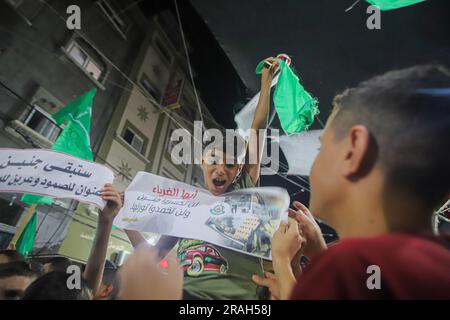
pixel 331 49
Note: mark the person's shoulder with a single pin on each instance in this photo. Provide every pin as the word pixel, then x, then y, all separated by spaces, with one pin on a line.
pixel 392 248
pixel 340 254
pixel 391 241
pixel 410 266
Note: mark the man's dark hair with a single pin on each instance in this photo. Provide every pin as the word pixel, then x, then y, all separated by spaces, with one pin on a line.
pixel 12 255
pixel 407 113
pixel 109 273
pixel 116 287
pixel 53 286
pixel 234 146
pixel 18 268
pixel 59 264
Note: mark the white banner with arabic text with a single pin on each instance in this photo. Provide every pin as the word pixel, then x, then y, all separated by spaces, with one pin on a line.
pixel 52 173
pixel 243 220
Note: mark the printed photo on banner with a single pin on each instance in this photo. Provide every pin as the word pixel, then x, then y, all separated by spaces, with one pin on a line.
pixel 246 221
pixel 243 220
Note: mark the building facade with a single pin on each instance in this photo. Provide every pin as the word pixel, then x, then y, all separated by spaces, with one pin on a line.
pixel 44 66
pixel 145 92
pixel 159 100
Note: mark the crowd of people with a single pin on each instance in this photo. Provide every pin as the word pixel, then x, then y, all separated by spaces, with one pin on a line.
pixel 381 172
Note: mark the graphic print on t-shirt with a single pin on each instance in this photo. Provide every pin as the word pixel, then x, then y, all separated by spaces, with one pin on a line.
pixel 198 257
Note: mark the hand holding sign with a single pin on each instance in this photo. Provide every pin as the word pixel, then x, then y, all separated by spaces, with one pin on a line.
pixel 315 243
pixel 243 220
pixel 113 203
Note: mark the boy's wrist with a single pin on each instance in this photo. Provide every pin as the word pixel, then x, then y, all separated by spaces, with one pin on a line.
pixel 315 250
pixel 280 262
pixel 266 82
pixel 105 221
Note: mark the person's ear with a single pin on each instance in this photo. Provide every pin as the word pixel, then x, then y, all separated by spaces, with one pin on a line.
pixel 105 290
pixel 108 289
pixel 202 162
pixel 356 152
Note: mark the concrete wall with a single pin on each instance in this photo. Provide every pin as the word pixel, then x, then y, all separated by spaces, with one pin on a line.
pixel 32 56
pixel 32 41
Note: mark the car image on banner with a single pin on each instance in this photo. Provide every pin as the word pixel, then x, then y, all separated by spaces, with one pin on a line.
pixel 202 258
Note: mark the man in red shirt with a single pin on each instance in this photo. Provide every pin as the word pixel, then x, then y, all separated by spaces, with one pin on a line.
pixel 381 172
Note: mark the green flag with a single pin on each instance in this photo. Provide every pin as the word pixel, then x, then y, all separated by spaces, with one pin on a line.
pixel 74 139
pixel 26 241
pixel 295 107
pixel 393 4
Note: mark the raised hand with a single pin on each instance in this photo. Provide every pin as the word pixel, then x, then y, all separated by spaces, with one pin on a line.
pixel 271 282
pixel 287 241
pixel 315 243
pixel 267 73
pixel 144 277
pixel 113 203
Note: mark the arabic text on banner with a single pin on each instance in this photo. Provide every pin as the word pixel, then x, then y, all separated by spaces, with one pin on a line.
pixel 52 173
pixel 243 220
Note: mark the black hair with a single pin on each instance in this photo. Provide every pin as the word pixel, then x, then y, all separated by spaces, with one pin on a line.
pixel 19 268
pixel 109 273
pixel 53 286
pixel 59 264
pixel 407 113
pixel 116 286
pixel 12 255
pixel 229 142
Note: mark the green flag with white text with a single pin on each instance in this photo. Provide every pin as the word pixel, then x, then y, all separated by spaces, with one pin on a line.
pixel 25 243
pixel 296 108
pixel 74 139
pixel 393 4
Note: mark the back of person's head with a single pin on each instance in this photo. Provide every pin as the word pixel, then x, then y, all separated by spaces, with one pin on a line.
pixel 407 113
pixel 57 285
pixel 109 286
pixel 10 256
pixel 15 277
pixel 109 272
pixel 57 264
pixel 383 163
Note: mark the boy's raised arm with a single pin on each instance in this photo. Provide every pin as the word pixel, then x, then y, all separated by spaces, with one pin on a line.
pixel 260 119
pixel 93 272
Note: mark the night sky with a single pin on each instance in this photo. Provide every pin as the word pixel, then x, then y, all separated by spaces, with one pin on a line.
pixel 331 49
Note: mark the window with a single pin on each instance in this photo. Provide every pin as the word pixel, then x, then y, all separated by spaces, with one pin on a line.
pixel 77 54
pixel 84 61
pixel 136 142
pixel 93 69
pixel 150 88
pixel 42 123
pixel 162 50
pixel 111 11
pixel 10 209
pixel 15 3
pixel 25 10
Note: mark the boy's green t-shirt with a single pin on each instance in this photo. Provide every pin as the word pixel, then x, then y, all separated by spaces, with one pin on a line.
pixel 216 272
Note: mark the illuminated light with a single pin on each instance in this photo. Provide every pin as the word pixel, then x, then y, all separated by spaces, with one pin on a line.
pixel 164 264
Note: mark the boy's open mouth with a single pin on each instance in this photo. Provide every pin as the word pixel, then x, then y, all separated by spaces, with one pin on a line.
pixel 219 182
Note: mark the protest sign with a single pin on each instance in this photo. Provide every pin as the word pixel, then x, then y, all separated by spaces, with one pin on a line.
pixel 243 220
pixel 52 173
